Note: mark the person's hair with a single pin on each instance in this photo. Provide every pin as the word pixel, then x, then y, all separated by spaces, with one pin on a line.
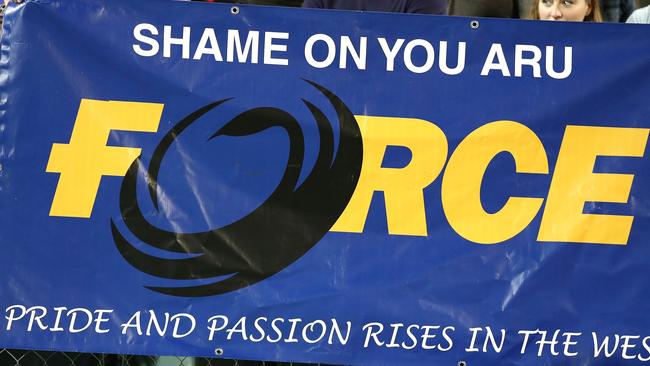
pixel 594 15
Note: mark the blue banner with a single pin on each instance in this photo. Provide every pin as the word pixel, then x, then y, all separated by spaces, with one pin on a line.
pixel 338 187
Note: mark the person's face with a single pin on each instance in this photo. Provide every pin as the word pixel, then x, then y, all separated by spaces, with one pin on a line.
pixel 568 10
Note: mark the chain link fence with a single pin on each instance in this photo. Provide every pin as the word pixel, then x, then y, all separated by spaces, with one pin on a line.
pixel 9 357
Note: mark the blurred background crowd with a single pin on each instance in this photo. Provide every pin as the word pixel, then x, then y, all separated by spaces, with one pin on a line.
pixel 617 11
pixel 594 10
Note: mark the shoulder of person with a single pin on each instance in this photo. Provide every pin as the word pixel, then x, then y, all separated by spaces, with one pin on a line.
pixel 640 16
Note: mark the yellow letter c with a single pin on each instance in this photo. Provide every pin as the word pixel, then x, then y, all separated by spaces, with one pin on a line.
pixel 461 183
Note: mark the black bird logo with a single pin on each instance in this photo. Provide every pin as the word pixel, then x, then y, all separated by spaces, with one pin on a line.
pixel 277 233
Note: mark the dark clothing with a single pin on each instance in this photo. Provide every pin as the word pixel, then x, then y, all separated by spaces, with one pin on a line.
pixel 617 10
pixel 524 8
pixel 485 8
pixel 393 6
pixel 259 2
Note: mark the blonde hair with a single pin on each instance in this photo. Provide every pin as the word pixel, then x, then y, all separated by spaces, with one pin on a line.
pixel 594 15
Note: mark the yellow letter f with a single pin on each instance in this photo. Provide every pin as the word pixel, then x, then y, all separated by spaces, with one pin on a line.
pixel 84 161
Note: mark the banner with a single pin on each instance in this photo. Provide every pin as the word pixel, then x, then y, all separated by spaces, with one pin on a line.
pixel 322 186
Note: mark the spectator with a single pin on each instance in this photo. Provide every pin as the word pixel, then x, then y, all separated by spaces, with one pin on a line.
pixel 617 10
pixel 567 10
pixel 396 6
pixel 640 16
